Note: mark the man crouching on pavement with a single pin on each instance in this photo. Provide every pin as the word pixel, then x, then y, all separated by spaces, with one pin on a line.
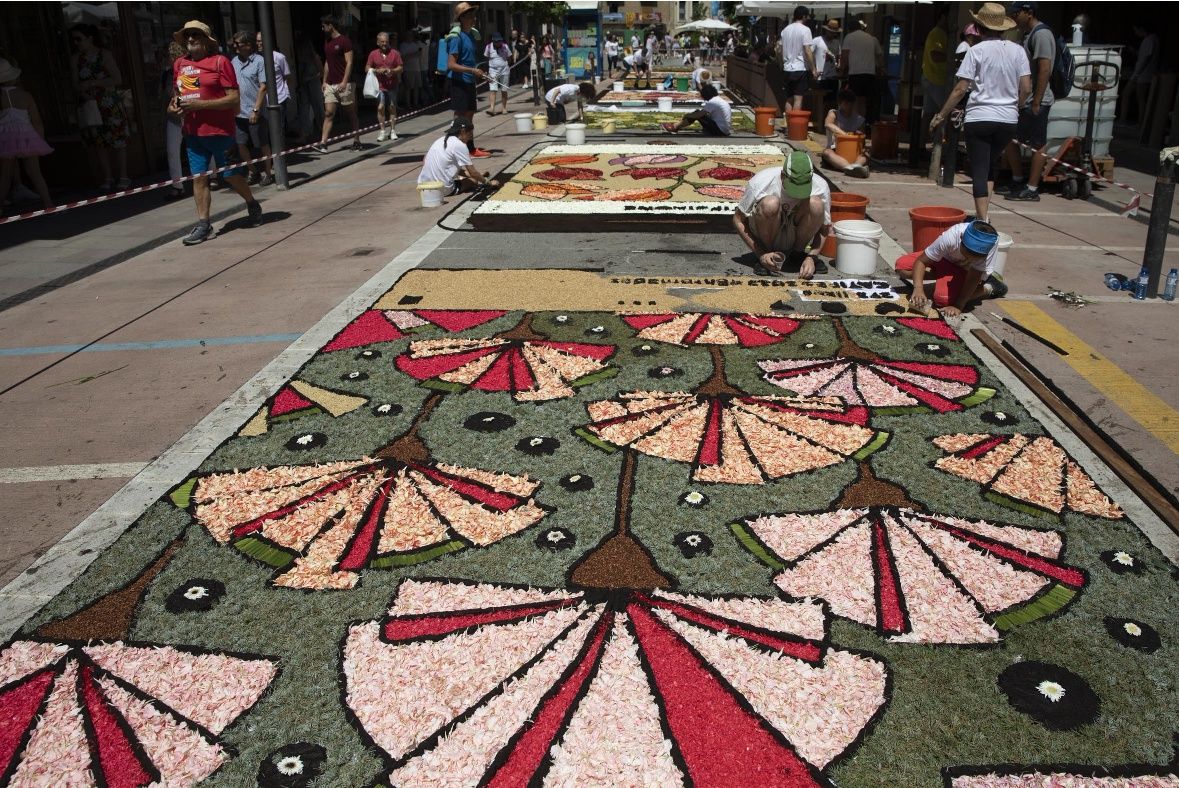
pixel 449 161
pixel 961 261
pixel 785 215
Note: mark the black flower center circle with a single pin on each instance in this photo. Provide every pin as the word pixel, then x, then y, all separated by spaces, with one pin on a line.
pixel 833 307
pixel 597 331
pixel 368 354
pixel 388 409
pixel 537 445
pixel 293 766
pixel 1122 562
pixel 694 498
pixel 354 376
pixel 645 350
pixel 693 543
pixel 660 373
pixel 196 595
pixel 932 349
pixel 577 482
pixel 556 539
pixel 489 421
pixel 307 441
pixel 1133 634
pixel 1056 698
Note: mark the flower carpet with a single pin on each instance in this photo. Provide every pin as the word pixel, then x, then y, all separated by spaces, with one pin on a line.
pixel 616 547
pixel 648 119
pixel 625 183
pixel 653 96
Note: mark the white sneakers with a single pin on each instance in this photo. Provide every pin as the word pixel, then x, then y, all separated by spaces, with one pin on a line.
pixel 392 135
pixel 386 135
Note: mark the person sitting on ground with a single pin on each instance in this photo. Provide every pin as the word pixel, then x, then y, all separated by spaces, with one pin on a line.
pixel 844 120
pixel 556 99
pixel 785 215
pixel 962 260
pixel 636 60
pixel 448 161
pixel 715 116
pixel 700 76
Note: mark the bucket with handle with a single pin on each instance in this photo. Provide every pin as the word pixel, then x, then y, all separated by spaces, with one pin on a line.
pixel 930 221
pixel 1005 244
pixel 619 87
pixel 681 83
pixel 849 146
pixel 797 121
pixel 764 116
pixel 664 104
pixel 608 127
pixel 430 193
pixel 858 247
pixel 540 122
pixel 523 122
pixel 844 205
pixel 575 133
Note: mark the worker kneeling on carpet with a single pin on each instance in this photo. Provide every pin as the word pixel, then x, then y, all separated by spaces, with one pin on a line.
pixel 556 99
pixel 962 260
pixel 784 215
pixel 448 161
pixel 844 120
pixel 715 116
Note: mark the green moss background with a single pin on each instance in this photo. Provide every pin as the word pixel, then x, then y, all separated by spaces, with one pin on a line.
pixel 946 708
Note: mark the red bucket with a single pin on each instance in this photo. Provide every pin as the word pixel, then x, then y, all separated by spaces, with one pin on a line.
pixel 930 221
pixel 797 121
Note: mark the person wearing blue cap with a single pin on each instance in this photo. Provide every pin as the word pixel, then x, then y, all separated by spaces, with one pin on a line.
pixel 962 262
pixel 784 215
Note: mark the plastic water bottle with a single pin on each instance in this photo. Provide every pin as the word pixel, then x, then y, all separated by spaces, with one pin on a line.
pixel 1172 282
pixel 1113 281
pixel 1140 284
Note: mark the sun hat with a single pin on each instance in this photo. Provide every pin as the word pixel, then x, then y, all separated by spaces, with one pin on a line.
pixel 463 8
pixel 194 24
pixel 797 172
pixel 832 26
pixel 980 237
pixel 992 16
pixel 8 72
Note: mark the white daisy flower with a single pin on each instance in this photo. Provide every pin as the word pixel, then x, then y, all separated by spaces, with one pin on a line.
pixel 1051 690
pixel 694 498
pixel 1132 629
pixel 290 765
pixel 536 441
pixel 1124 558
pixel 303 440
pixel 562 318
pixel 196 592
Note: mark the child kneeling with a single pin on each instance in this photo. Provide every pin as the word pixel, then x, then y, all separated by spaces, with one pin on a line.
pixel 962 261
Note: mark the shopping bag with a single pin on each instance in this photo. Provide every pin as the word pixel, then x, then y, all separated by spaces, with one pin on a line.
pixel 371 87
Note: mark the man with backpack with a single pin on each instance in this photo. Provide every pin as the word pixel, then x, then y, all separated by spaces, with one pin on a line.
pixel 1043 49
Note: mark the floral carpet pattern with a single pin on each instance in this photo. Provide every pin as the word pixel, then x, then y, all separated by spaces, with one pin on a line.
pixel 596 548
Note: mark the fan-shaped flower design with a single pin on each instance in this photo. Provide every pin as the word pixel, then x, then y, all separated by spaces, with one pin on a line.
pixel 725 173
pixel 915 577
pixel 860 377
pixel 695 328
pixel 567 158
pixel 556 191
pixel 638 173
pixel 569 174
pixel 632 160
pixel 1026 472
pixel 540 685
pixel 387 325
pixel 120 714
pixel 734 193
pixel 644 194
pixel 530 366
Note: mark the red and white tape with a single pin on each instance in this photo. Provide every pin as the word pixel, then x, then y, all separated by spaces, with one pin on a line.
pixel 1129 209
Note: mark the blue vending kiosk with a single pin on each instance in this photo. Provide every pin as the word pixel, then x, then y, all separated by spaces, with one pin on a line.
pixel 583 41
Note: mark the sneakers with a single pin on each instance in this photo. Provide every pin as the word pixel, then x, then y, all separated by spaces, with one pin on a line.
pixel 858 171
pixel 253 214
pixel 1024 195
pixel 355 146
pixel 384 135
pixel 995 287
pixel 267 180
pixel 319 147
pixel 254 179
pixel 199 234
pixel 1011 187
pixel 479 153
pixel 392 135
pixel 670 128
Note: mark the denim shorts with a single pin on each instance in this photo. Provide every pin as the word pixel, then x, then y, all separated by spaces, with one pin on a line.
pixel 203 152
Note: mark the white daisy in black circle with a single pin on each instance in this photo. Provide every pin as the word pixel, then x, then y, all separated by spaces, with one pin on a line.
pixel 645 350
pixel 693 543
pixel 293 766
pixel 489 421
pixel 307 441
pixel 886 329
pixel 1000 418
pixel 368 354
pixel 387 409
pixel 537 445
pixel 577 482
pixel 933 349
pixel 1121 562
pixel 1133 634
pixel 196 595
pixel 354 376
pixel 694 498
pixel 556 539
pixel 1055 697
pixel 561 319
pixel 660 373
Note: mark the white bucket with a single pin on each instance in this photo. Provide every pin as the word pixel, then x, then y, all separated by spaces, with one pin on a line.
pixel 430 193
pixel 619 87
pixel 717 85
pixel 575 133
pixel 1005 243
pixel 857 244
pixel 523 122
pixel 664 104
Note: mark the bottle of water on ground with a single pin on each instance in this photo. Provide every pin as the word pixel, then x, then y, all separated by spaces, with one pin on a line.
pixel 1172 282
pixel 1140 284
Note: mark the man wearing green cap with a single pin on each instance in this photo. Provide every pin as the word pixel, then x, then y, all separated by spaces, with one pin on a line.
pixel 784 215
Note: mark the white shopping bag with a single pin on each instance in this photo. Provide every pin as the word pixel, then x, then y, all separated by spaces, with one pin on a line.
pixel 371 86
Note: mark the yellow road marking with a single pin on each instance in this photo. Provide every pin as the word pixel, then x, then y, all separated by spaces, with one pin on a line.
pixel 1146 408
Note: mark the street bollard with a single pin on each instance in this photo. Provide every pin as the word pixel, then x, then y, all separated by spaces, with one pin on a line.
pixel 1160 220
pixel 950 156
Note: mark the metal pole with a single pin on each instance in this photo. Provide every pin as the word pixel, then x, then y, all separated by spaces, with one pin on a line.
pixel 1160 219
pixel 950 155
pixel 273 110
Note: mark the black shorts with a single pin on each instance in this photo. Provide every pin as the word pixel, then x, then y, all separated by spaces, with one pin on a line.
pixel 710 127
pixel 555 113
pixel 253 135
pixel 1033 129
pixel 796 83
pixel 462 96
pixel 863 85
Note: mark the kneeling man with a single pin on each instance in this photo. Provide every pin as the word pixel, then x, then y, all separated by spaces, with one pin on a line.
pixel 715 116
pixel 785 215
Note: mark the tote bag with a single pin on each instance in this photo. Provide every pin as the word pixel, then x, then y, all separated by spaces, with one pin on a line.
pixel 372 87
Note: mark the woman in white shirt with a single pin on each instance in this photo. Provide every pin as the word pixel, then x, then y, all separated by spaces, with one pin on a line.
pixel 499 61
pixel 448 161
pixel 998 76
pixel 556 99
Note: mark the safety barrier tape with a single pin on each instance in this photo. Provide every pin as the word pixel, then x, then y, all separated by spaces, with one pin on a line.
pixel 1129 209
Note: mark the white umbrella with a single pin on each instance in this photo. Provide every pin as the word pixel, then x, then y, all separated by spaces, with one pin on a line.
pixel 703 24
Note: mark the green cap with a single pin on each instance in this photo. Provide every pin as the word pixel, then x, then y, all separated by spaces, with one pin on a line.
pixel 796 175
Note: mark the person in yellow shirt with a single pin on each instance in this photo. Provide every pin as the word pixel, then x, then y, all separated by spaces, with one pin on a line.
pixel 935 87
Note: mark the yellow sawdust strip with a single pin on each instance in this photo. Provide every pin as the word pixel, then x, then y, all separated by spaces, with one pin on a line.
pixel 586 291
pixel 334 402
pixel 256 426
pixel 1146 408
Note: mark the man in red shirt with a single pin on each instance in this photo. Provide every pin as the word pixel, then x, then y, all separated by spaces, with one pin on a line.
pixel 207 101
pixel 337 83
pixel 385 62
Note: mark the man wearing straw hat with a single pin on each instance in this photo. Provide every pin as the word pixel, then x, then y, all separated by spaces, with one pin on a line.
pixel 784 215
pixel 207 100
pixel 460 67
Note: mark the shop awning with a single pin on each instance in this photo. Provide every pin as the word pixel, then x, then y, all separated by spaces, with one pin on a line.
pixel 786 10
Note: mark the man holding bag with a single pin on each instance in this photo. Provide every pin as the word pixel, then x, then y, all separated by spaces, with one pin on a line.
pixel 384 67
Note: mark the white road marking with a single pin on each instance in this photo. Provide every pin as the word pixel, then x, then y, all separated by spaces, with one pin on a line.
pixel 65 473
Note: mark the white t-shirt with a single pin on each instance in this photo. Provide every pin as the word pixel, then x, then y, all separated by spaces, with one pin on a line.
pixel 634 42
pixel 822 53
pixel 497 55
pixel 768 183
pixel 796 37
pixel 650 45
pixel 994 66
pixel 636 58
pixel 948 246
pixel 611 49
pixel 862 49
pixel 444 161
pixel 695 80
pixel 720 112
pixel 562 94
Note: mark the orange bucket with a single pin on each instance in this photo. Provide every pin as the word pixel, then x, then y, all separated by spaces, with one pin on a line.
pixel 797 121
pixel 849 147
pixel 930 221
pixel 844 205
pixel 884 140
pixel 764 120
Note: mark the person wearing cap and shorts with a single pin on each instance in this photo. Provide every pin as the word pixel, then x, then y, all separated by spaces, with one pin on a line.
pixel 337 83
pixel 448 161
pixel 862 60
pixel 207 101
pixel 798 59
pixel 1032 128
pixel 784 215
pixel 962 263
pixel 460 68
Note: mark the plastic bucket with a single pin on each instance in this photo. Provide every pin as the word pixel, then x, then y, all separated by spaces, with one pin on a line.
pixel 930 221
pixel 539 122
pixel 797 121
pixel 849 146
pixel 1005 243
pixel 844 205
pixel 430 193
pixel 575 133
pixel 884 139
pixel 619 87
pixel 764 117
pixel 664 104
pixel 859 243
pixel 608 127
pixel 523 122
pixel 681 83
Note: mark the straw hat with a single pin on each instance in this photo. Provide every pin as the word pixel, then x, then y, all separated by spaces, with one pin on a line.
pixel 993 17
pixel 8 72
pixel 194 24
pixel 463 8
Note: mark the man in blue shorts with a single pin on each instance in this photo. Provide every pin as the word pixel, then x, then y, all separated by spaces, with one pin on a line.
pixel 460 68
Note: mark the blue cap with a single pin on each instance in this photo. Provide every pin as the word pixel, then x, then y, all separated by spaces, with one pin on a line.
pixel 980 237
pixel 1021 6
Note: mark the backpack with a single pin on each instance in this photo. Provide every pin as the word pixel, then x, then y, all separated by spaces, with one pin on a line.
pixel 1064 67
